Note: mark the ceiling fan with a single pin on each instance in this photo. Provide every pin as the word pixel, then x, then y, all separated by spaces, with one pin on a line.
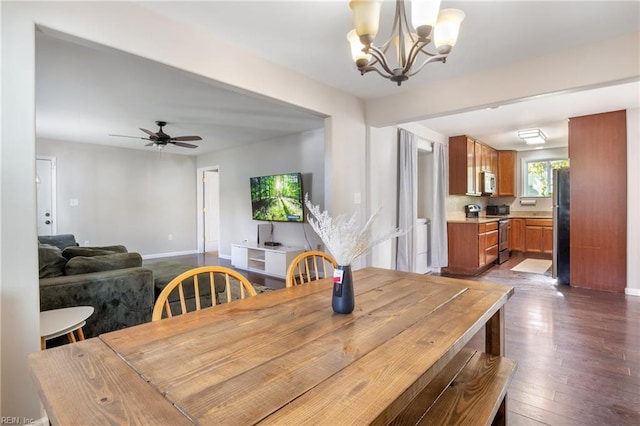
pixel 160 139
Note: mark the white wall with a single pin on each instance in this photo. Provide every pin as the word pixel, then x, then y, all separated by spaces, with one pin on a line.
pixel 382 181
pixel 125 196
pixel 572 69
pixel 134 29
pixel 303 152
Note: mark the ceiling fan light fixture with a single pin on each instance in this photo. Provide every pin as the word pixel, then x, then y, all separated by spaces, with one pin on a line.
pixel 532 136
pixel 160 139
pixel 413 46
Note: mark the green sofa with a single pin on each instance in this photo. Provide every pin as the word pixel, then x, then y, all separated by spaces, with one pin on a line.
pixel 110 279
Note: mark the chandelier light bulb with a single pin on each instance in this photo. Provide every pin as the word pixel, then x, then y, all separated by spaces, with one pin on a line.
pixel 366 18
pixel 447 29
pixel 424 15
pixel 359 57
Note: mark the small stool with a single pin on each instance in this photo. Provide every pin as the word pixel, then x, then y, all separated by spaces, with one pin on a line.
pixel 58 322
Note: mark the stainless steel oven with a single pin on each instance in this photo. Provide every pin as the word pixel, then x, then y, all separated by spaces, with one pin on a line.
pixel 503 241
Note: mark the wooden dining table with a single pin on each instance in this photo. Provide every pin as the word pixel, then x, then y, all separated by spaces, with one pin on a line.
pixel 281 357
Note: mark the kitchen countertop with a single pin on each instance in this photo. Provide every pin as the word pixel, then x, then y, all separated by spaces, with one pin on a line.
pixel 460 217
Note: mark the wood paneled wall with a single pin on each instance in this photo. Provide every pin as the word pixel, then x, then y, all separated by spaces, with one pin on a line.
pixel 598 217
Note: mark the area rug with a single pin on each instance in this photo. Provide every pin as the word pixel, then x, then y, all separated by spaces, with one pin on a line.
pixel 534 266
pixel 261 288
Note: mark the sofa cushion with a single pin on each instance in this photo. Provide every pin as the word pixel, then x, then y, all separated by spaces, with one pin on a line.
pixel 51 263
pixel 61 241
pixel 121 298
pixel 71 252
pixel 84 265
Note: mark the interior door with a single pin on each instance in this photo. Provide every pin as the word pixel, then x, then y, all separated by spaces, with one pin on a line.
pixel 211 211
pixel 46 194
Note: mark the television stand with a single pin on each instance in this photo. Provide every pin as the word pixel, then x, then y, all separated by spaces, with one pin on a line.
pixel 264 259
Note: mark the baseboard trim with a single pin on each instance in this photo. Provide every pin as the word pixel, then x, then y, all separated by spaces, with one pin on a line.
pixel 224 256
pixel 175 253
pixel 632 291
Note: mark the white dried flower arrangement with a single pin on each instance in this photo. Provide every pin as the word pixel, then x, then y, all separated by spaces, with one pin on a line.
pixel 344 238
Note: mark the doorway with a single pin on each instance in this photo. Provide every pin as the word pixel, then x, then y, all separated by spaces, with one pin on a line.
pixel 208 210
pixel 46 195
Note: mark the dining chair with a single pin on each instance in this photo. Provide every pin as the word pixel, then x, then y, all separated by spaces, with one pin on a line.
pixel 173 300
pixel 310 266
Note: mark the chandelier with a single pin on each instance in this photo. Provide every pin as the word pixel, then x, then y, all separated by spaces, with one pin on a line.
pixel 434 37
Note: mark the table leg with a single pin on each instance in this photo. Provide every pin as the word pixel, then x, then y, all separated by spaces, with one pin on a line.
pixel 494 334
pixel 494 345
pixel 80 334
pixel 71 337
pixel 43 343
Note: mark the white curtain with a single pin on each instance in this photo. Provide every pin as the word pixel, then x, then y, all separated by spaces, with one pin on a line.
pixel 407 200
pixel 439 247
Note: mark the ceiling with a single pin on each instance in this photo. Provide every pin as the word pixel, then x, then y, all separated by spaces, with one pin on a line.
pixel 309 37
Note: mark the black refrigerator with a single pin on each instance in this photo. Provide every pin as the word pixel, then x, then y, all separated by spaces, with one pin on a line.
pixel 561 225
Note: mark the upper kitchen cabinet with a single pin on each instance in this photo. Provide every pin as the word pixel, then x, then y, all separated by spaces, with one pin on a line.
pixel 489 159
pixel 506 173
pixel 464 166
pixel 468 158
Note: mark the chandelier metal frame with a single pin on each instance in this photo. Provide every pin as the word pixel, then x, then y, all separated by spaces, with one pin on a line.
pixel 401 31
pixel 402 73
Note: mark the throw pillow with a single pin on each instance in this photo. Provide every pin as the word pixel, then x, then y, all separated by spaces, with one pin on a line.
pixel 61 241
pixel 85 265
pixel 50 261
pixel 71 252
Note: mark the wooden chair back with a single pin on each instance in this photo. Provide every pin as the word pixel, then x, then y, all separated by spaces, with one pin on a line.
pixel 232 280
pixel 310 266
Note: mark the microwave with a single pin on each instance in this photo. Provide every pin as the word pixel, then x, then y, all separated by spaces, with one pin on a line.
pixel 498 210
pixel 488 183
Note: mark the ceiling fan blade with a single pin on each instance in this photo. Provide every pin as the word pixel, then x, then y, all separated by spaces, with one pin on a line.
pixel 184 145
pixel 125 136
pixel 151 144
pixel 187 138
pixel 149 132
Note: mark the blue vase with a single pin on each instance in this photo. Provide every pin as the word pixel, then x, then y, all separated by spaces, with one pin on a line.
pixel 343 300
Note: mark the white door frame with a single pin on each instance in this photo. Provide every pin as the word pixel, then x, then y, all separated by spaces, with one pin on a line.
pixel 54 213
pixel 200 205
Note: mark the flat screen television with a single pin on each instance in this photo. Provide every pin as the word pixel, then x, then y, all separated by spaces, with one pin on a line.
pixel 277 198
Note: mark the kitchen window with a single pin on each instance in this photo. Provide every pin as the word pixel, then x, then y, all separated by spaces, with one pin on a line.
pixel 538 179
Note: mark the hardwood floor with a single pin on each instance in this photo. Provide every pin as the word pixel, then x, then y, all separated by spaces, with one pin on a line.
pixel 578 350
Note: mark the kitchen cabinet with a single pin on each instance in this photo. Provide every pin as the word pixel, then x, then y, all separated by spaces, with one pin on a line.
pixel 473 247
pixel 516 234
pixel 463 173
pixel 489 159
pixel 491 246
pixel 539 235
pixel 493 161
pixel 506 173
pixel 468 158
pixel 598 240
